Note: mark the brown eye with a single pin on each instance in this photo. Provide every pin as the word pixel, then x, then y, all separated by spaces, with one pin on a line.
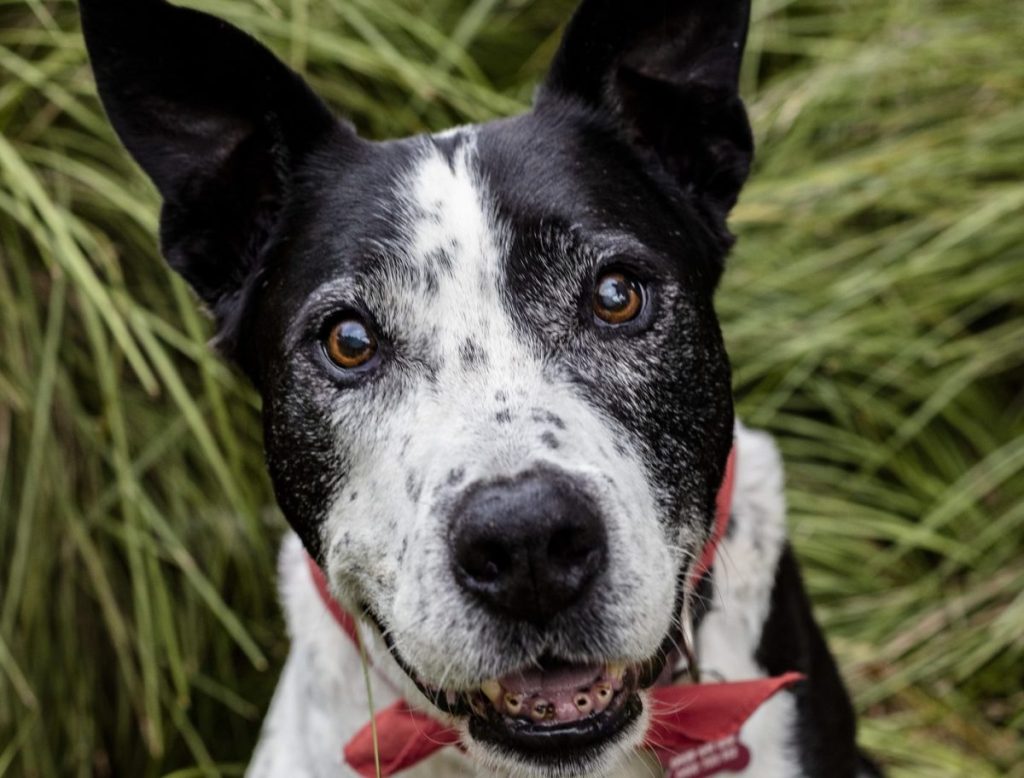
pixel 618 298
pixel 350 344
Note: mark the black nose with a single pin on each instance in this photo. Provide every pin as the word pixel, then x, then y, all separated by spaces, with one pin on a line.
pixel 530 547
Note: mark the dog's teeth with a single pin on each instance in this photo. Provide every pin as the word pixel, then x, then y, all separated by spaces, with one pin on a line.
pixel 616 671
pixel 513 704
pixel 584 704
pixel 491 689
pixel 477 705
pixel 541 710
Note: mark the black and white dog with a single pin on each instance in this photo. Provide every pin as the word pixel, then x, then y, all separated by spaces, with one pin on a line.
pixel 496 398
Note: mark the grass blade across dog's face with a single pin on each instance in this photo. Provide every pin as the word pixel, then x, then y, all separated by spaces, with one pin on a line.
pixel 497 403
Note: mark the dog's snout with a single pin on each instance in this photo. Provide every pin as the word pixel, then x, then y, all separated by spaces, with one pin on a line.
pixel 528 548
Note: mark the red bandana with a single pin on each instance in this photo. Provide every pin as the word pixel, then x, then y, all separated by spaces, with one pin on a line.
pixel 694 728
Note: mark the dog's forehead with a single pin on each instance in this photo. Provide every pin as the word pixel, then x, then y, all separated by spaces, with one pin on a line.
pixel 439 281
pixel 530 170
pixel 390 221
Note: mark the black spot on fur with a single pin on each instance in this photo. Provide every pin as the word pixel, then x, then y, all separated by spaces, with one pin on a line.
pixel 439 260
pixel 413 487
pixel 430 281
pixel 471 353
pixel 791 640
pixel 503 416
pixel 541 416
pixel 501 396
pixel 456 475
pixel 549 440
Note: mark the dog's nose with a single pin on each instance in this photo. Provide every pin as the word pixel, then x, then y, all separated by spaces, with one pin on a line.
pixel 528 548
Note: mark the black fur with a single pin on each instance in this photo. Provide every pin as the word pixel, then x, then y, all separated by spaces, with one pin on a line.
pixel 791 641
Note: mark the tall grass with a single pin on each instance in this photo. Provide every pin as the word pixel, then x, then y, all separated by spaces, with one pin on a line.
pixel 874 309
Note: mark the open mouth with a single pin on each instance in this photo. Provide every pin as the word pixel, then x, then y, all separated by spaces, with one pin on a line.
pixel 554 710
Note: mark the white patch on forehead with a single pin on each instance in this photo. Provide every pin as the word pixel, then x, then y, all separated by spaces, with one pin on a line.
pixel 448 193
pixel 457 245
pixel 455 232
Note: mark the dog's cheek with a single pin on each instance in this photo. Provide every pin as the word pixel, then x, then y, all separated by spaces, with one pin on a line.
pixel 669 390
pixel 306 464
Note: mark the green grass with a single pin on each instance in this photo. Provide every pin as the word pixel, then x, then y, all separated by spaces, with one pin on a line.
pixel 874 309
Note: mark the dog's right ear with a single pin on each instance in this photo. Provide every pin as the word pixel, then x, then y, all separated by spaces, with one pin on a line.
pixel 216 121
pixel 665 73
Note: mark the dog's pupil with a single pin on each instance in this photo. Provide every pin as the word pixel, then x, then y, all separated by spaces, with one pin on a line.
pixel 353 339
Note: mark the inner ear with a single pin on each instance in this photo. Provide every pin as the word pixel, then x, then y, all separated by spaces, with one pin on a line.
pixel 226 218
pixel 666 74
pixel 219 124
pixel 700 134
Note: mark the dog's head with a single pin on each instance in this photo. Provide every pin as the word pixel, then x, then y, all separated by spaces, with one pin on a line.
pixel 497 404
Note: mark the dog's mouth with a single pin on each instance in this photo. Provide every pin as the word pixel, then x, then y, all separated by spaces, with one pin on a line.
pixel 554 709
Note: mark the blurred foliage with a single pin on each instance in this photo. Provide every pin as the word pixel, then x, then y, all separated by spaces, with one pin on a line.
pixel 874 310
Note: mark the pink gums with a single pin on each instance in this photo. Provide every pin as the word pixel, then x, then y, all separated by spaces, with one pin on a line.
pixel 557 696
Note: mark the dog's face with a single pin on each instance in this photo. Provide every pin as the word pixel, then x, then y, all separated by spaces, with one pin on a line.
pixel 497 405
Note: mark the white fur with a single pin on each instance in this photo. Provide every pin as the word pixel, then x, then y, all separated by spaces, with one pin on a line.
pixel 744 576
pixel 321 699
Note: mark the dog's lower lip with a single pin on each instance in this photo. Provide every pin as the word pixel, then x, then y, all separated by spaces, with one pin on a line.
pixel 557 711
pixel 566 742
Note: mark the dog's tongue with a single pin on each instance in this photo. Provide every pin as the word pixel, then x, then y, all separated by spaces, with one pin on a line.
pixel 545 683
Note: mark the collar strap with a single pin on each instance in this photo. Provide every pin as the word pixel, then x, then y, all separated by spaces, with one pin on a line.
pixel 683 717
pixel 723 512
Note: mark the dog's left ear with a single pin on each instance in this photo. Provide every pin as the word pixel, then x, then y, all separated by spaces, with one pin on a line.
pixel 667 73
pixel 218 123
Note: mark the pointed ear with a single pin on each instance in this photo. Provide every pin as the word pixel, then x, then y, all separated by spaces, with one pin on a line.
pixel 215 120
pixel 667 73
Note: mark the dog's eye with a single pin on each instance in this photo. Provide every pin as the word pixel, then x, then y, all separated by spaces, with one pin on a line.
pixel 350 344
pixel 618 297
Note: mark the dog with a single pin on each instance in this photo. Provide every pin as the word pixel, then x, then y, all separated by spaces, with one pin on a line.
pixel 496 399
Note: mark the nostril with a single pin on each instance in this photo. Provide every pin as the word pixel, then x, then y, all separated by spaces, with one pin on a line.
pixel 485 562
